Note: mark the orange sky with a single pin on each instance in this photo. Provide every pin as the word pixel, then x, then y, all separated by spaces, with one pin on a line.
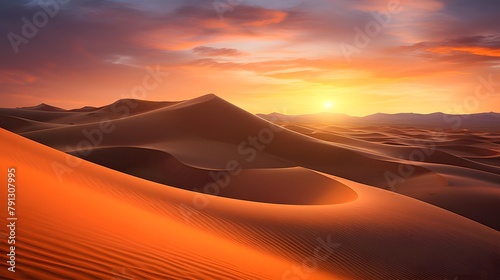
pixel 354 57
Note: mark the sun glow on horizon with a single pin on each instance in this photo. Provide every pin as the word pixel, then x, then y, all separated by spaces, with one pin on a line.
pixel 328 105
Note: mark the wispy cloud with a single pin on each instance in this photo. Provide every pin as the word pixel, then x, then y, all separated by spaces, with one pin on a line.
pixel 209 51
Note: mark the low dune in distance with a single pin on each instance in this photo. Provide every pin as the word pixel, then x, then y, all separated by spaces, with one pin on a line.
pixel 204 190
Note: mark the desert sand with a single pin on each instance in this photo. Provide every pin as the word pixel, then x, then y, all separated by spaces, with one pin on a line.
pixel 202 189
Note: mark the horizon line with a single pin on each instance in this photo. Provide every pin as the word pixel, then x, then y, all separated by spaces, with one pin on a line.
pixel 270 113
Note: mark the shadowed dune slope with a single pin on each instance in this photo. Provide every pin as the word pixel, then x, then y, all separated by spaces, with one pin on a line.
pixel 282 186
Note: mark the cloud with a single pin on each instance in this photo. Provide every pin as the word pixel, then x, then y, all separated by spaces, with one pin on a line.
pixel 470 49
pixel 380 5
pixel 209 51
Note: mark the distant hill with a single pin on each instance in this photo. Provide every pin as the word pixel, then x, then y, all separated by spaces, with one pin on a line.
pixel 480 121
pixel 43 107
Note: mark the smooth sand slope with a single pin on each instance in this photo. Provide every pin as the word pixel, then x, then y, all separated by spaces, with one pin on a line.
pixel 182 144
pixel 96 223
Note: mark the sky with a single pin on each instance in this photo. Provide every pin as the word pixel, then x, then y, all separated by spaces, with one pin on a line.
pixel 355 57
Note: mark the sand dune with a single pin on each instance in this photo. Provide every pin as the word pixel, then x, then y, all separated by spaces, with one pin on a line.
pixel 43 107
pixel 99 223
pixel 19 125
pixel 365 154
pixel 277 195
pixel 286 183
pixel 475 161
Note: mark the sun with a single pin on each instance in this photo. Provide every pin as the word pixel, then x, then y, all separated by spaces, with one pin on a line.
pixel 328 105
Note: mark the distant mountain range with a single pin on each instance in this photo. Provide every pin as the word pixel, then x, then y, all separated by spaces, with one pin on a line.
pixel 480 121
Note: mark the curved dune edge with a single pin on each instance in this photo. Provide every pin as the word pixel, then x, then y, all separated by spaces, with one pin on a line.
pixel 294 186
pixel 99 223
